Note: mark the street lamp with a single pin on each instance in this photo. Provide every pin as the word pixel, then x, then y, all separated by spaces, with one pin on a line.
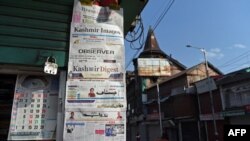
pixel 209 87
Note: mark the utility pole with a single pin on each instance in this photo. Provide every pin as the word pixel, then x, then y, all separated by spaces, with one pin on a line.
pixel 159 107
pixel 209 88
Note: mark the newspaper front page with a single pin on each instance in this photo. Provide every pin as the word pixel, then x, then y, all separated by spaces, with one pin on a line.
pixel 95 124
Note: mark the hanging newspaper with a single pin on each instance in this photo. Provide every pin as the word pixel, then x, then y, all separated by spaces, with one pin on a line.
pixel 95 100
pixel 94 34
pixel 96 52
pixel 95 94
pixel 79 40
pixel 94 125
pixel 97 14
pixel 98 70
pixel 34 108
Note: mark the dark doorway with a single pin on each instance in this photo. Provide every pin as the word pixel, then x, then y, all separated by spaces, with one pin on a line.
pixel 189 131
pixel 7 88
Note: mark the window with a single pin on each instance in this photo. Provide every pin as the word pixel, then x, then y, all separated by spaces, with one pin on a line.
pixel 236 98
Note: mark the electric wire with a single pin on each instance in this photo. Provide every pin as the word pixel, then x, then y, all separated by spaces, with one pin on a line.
pixel 169 5
pixel 136 53
pixel 235 60
pixel 158 11
pixel 236 63
pixel 238 66
pixel 163 14
pixel 135 35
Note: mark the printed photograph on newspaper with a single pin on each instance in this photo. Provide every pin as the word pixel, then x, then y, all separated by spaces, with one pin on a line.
pixel 95 124
pixel 95 94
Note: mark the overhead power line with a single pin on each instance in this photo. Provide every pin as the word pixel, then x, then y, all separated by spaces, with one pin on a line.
pixel 238 66
pixel 169 5
pixel 235 60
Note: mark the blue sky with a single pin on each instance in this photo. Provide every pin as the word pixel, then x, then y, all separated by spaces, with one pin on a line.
pixel 222 27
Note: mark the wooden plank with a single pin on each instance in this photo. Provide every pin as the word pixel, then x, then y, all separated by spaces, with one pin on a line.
pixel 39 5
pixel 34 33
pixel 34 23
pixel 33 14
pixel 13 41
pixel 26 56
pixel 61 2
